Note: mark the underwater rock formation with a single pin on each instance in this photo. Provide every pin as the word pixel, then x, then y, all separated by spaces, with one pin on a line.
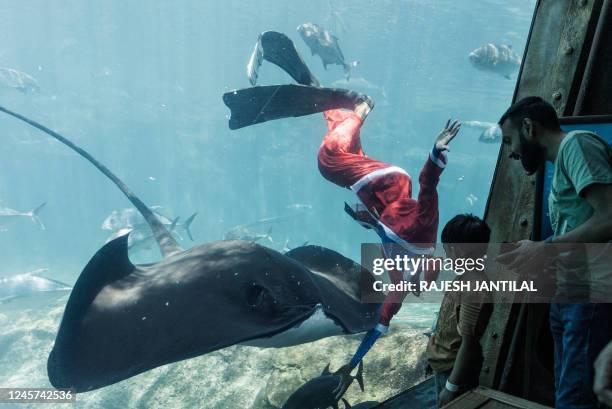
pixel 242 377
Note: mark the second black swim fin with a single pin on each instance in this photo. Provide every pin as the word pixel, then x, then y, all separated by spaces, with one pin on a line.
pixel 279 49
pixel 255 105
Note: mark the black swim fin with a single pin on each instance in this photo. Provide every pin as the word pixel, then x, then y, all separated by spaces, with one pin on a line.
pixel 280 50
pixel 255 105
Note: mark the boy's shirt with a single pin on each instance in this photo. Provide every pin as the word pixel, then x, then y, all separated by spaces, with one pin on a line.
pixel 461 313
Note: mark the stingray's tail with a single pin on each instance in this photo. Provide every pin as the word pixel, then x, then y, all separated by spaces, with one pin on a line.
pixel 34 216
pixel 167 244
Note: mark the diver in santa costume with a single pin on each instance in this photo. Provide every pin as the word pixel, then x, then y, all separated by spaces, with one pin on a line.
pixel 406 226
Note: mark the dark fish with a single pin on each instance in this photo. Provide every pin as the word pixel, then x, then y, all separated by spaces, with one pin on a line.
pixel 325 390
pixel 498 58
pixel 325 45
pixel 363 405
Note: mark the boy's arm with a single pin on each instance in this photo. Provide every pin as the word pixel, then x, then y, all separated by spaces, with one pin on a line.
pixel 473 319
pixel 469 352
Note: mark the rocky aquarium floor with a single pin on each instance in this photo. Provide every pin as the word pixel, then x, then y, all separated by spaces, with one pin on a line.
pixel 236 377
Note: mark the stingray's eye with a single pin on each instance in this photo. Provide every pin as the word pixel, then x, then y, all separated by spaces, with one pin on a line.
pixel 255 296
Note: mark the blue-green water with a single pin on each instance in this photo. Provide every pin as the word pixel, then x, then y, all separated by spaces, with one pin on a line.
pixel 139 83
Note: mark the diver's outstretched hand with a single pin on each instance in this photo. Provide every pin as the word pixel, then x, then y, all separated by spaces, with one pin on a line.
pixel 446 135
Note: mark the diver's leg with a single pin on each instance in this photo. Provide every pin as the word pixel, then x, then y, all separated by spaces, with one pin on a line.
pixel 255 105
pixel 341 159
pixel 364 107
pixel 280 50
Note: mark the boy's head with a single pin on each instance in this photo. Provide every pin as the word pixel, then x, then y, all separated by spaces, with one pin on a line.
pixel 465 235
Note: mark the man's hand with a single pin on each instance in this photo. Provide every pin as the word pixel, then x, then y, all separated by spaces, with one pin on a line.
pixel 447 135
pixel 446 396
pixel 602 385
pixel 528 253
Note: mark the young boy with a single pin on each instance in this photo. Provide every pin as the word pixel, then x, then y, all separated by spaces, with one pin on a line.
pixel 454 351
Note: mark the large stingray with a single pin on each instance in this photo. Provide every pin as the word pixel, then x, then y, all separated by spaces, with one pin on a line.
pixel 123 319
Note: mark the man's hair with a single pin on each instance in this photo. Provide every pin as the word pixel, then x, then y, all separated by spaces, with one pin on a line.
pixel 466 228
pixel 534 108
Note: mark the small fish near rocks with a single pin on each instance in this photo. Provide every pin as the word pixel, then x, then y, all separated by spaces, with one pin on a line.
pixel 325 390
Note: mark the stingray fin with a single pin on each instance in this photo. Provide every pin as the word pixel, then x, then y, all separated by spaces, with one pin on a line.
pixel 346 404
pixel 108 265
pixel 340 270
pixel 326 370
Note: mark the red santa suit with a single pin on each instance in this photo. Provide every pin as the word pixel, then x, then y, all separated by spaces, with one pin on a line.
pixel 385 195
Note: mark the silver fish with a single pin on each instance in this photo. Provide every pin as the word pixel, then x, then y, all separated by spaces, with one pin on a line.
pixel 8 215
pixel 325 45
pixel 491 132
pixel 498 58
pixel 299 206
pixel 471 199
pixel 131 219
pixel 11 78
pixel 29 284
pixel 243 233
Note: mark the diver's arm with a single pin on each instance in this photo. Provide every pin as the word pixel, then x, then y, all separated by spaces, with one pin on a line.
pixel 469 353
pixel 436 162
